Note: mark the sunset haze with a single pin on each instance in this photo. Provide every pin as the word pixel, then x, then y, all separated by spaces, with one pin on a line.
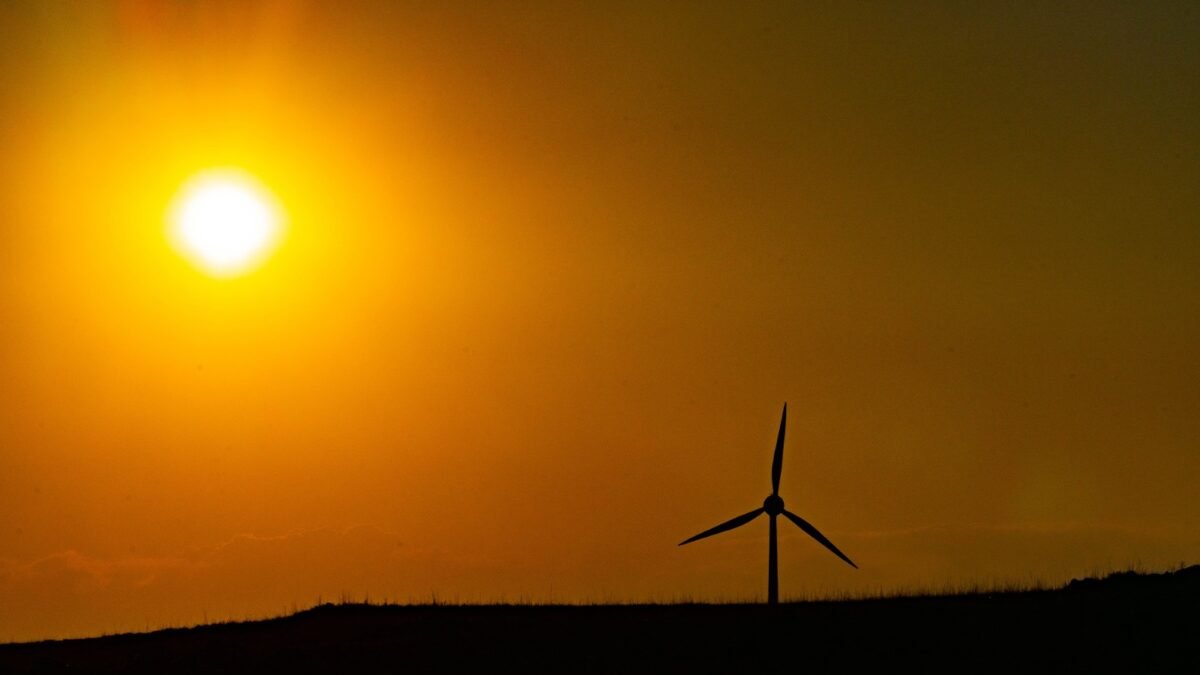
pixel 550 272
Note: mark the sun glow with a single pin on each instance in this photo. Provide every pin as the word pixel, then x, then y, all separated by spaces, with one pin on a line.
pixel 225 221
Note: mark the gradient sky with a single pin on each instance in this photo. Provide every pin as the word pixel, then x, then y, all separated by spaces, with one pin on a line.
pixel 553 269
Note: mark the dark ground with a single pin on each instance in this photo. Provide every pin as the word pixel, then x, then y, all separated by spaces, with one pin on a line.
pixel 1130 622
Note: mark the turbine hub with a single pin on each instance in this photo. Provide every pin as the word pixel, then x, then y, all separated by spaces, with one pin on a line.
pixel 773 505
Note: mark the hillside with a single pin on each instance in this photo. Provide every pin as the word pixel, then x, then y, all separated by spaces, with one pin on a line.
pixel 1141 622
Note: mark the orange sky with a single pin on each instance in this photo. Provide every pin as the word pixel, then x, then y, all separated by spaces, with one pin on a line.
pixel 550 274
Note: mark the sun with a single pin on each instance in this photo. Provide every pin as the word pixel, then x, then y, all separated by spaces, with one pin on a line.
pixel 225 221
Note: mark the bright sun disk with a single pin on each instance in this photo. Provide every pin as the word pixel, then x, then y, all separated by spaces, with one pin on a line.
pixel 225 221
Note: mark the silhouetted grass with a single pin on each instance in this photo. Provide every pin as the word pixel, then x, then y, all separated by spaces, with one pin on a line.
pixel 1130 621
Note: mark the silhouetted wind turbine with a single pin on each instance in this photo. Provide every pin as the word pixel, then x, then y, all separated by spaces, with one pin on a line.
pixel 773 506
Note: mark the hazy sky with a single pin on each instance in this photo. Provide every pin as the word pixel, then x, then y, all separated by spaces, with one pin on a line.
pixel 552 270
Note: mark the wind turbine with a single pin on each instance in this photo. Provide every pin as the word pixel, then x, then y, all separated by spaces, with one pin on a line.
pixel 773 506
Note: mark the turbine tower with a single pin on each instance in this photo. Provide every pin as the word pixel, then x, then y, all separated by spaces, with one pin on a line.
pixel 773 507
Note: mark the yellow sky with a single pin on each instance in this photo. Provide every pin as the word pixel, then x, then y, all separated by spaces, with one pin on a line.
pixel 551 272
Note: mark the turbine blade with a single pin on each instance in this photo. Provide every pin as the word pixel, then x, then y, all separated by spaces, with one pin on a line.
pixel 777 464
pixel 812 532
pixel 727 525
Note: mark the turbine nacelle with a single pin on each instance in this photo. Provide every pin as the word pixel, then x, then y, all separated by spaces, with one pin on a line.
pixel 773 505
